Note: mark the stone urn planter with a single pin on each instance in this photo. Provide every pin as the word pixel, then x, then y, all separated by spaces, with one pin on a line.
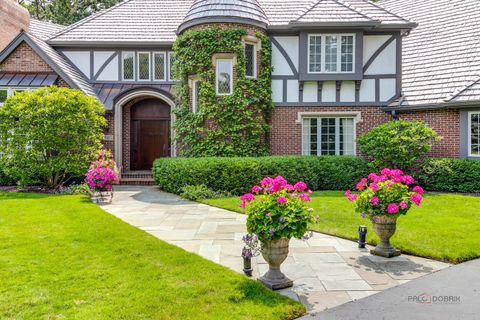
pixel 275 252
pixel 385 227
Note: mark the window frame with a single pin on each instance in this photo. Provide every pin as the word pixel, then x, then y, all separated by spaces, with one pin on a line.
pixel 195 87
pixel 134 65
pixel 323 53
pixel 137 66
pixel 216 76
pixel 164 65
pixel 11 91
pixel 470 113
pixel 169 57
pixel 255 50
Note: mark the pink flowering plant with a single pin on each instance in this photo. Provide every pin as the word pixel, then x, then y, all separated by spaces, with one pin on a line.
pixel 277 209
pixel 103 172
pixel 390 193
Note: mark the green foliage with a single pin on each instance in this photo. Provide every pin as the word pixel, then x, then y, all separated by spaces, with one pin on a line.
pixel 451 175
pixel 235 125
pixel 50 134
pixel 199 192
pixel 397 144
pixel 238 175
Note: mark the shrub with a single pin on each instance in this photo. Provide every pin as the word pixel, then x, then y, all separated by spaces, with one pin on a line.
pixel 237 175
pixel 450 175
pixel 199 192
pixel 49 134
pixel 397 144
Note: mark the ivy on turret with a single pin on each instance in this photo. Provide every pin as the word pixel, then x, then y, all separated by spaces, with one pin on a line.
pixel 234 125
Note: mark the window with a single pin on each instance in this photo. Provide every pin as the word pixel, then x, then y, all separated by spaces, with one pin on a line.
pixel 224 77
pixel 171 76
pixel 474 134
pixel 159 63
pixel 128 64
pixel 331 53
pixel 6 92
pixel 328 136
pixel 3 95
pixel 195 96
pixel 143 61
pixel 250 60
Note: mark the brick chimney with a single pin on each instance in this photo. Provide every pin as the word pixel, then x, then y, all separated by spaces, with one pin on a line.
pixel 13 19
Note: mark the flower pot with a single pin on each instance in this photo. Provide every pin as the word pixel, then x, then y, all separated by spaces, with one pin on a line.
pixel 275 252
pixel 247 266
pixel 385 227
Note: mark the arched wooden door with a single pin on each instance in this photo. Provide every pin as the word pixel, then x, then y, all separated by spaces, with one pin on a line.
pixel 149 133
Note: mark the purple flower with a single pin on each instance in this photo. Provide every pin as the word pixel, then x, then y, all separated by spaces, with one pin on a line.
pixel 271 232
pixel 281 219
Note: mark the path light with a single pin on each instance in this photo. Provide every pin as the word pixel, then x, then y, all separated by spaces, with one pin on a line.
pixel 362 236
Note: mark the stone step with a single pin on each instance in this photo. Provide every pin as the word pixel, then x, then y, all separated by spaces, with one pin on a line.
pixel 144 178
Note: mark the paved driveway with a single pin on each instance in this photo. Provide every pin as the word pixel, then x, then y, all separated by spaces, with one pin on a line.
pixel 327 271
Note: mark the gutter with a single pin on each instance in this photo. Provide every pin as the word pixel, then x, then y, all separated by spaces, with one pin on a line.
pixel 437 106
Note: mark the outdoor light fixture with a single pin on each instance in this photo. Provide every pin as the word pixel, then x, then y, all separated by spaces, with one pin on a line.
pixel 362 236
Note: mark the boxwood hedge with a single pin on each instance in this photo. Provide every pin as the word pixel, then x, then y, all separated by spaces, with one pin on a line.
pixel 237 175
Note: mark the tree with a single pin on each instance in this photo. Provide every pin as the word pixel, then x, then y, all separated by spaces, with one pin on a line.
pixel 398 144
pixel 49 135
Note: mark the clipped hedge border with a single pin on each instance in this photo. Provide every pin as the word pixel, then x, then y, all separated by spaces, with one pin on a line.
pixel 237 175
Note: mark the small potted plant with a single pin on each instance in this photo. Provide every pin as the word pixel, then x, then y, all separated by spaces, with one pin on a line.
pixel 251 249
pixel 383 198
pixel 101 176
pixel 277 211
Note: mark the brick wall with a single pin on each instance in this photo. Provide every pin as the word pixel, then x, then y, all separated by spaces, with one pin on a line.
pixel 446 123
pixel 24 59
pixel 13 19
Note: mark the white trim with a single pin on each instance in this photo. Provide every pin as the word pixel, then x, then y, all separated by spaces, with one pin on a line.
pixel 164 65
pixel 169 57
pixel 11 90
pixel 323 50
pixel 231 76
pixel 149 66
pixel 194 95
pixel 134 64
pixel 470 134
pixel 255 50
pixel 118 109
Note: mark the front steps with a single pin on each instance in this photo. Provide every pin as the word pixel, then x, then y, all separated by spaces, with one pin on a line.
pixel 142 178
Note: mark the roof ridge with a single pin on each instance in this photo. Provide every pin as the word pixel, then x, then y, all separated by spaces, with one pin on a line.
pixel 49 22
pixel 87 19
pixel 388 11
pixel 343 3
pixel 454 94
pixel 313 5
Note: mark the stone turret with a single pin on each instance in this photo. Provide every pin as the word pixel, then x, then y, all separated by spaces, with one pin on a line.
pixel 13 19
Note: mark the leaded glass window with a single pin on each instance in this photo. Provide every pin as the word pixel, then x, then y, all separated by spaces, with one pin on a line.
pixel 159 66
pixel 128 66
pixel 143 66
pixel 250 60
pixel 224 76
pixel 474 134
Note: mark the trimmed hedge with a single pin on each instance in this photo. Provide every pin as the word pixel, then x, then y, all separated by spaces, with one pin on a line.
pixel 237 175
pixel 450 175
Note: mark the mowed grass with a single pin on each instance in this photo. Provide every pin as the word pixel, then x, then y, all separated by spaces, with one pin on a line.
pixel 62 257
pixel 445 227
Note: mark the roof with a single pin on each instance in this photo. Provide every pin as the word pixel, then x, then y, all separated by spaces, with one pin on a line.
pixel 27 79
pixel 208 11
pixel 147 22
pixel 56 61
pixel 441 57
pixel 43 29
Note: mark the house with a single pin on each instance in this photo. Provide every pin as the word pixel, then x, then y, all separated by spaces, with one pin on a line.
pixel 340 67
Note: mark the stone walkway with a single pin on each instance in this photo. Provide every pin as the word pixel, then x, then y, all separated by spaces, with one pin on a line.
pixel 327 271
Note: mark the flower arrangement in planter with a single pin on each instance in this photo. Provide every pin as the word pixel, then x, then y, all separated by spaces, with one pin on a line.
pixel 277 211
pixel 102 174
pixel 383 198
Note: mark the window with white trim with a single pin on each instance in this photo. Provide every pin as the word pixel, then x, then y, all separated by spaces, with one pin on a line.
pixel 223 77
pixel 474 134
pixel 143 61
pixel 6 92
pixel 128 66
pixel 250 60
pixel 331 53
pixel 328 136
pixel 195 95
pixel 159 66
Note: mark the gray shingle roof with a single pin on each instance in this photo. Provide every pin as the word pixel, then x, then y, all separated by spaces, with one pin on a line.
pixel 27 79
pixel 156 21
pixel 203 11
pixel 441 57
pixel 42 29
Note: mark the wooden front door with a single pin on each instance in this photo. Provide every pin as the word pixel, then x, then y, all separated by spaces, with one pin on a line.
pixel 150 133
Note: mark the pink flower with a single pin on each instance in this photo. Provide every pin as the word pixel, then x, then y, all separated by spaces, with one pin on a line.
pixel 408 180
pixel 304 197
pixel 385 172
pixel 266 181
pixel 392 208
pixel 416 198
pixel 403 205
pixel 347 193
pixel 373 176
pixel 268 214
pixel 247 197
pixel 374 201
pixel 397 179
pixel 278 184
pixel 289 187
pixel 256 188
pixel 374 186
pixel 418 189
pixel 382 178
pixel 361 184
pixel 281 200
pixel 389 184
pixel 352 197
pixel 396 172
pixel 300 186
pixel 242 205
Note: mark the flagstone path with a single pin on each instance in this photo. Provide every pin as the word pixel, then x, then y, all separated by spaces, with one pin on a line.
pixel 327 271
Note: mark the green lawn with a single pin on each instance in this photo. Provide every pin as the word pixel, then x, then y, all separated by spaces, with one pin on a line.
pixel 445 227
pixel 62 257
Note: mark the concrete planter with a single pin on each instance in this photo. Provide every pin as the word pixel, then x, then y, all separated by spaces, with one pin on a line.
pixel 385 228
pixel 275 252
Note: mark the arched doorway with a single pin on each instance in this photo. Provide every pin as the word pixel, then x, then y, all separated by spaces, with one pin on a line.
pixel 149 132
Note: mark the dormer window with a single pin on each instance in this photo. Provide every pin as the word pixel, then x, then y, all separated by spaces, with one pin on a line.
pixel 331 53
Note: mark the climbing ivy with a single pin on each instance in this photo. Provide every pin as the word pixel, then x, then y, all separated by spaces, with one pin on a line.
pixel 235 125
